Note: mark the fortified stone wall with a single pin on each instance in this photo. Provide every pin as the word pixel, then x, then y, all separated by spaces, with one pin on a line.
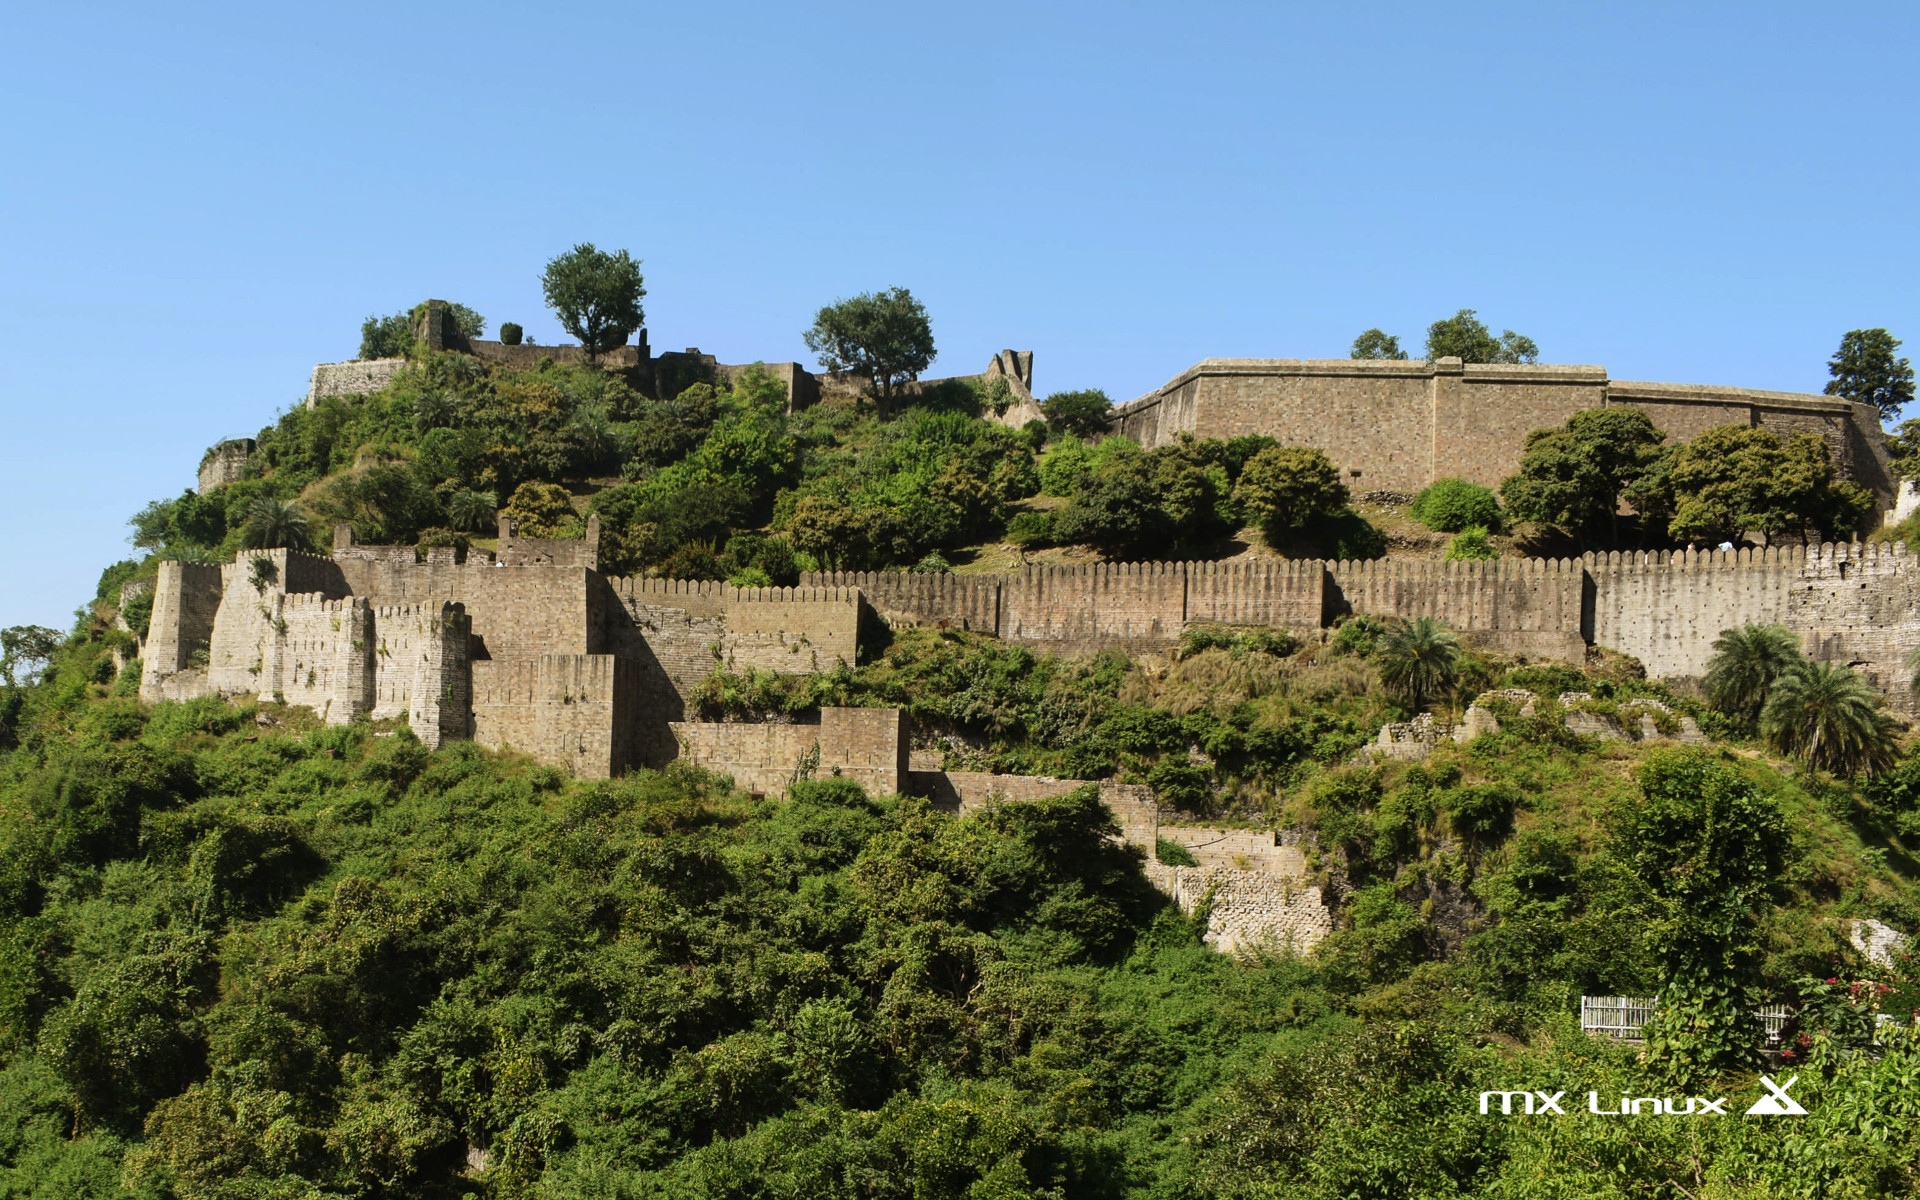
pixel 225 463
pixel 1860 605
pixel 581 713
pixel 1530 607
pixel 866 745
pixel 1396 426
pixel 1666 609
pixel 186 599
pixel 359 378
pixel 795 630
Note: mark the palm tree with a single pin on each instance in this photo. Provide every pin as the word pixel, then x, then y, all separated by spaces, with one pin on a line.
pixel 1418 659
pixel 471 510
pixel 1744 665
pixel 274 523
pixel 1829 718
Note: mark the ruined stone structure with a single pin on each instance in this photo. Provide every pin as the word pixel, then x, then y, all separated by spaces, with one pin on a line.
pixel 1398 426
pixel 224 463
pixel 661 376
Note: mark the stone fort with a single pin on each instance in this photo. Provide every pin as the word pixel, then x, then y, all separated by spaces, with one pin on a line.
pixel 533 647
pixel 1398 426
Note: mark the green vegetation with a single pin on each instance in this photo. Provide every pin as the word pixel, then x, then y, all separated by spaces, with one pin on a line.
pixel 1715 488
pixel 1451 505
pixel 245 954
pixel 885 336
pixel 596 295
pixel 1083 413
pixel 1470 545
pixel 1377 344
pixel 1465 337
pixel 1866 370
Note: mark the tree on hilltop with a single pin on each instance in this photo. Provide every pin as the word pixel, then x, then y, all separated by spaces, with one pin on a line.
pixel 1377 344
pixel 1084 412
pixel 884 336
pixel 1866 371
pixel 596 295
pixel 392 336
pixel 1465 337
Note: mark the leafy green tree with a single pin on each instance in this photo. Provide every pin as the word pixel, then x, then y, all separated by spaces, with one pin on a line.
pixel 542 510
pixel 392 336
pixel 1377 344
pixel 1117 511
pixel 1465 337
pixel 1735 478
pixel 1084 412
pixel 1708 851
pixel 884 336
pixel 1828 717
pixel 1745 663
pixel 388 504
pixel 1418 659
pixel 25 651
pixel 1574 476
pixel 1866 370
pixel 596 295
pixel 1286 488
pixel 1451 505
pixel 272 524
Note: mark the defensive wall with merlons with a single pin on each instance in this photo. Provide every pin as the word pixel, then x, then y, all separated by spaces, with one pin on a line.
pixel 1398 426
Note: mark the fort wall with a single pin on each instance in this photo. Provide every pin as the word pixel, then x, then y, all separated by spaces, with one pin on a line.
pixel 582 713
pixel 1666 609
pixel 1529 607
pixel 225 463
pixel 866 745
pixel 186 600
pixel 1397 426
pixel 358 378
pixel 1860 605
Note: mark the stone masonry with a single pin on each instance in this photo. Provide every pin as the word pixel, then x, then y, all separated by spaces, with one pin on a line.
pixel 1398 426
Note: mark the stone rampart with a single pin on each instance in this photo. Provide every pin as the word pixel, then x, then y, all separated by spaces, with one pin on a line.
pixel 358 378
pixel 1666 609
pixel 907 598
pixel 1397 426
pixel 1860 605
pixel 225 463
pixel 794 630
pixel 582 713
pixel 866 745
pixel 186 600
pixel 1526 607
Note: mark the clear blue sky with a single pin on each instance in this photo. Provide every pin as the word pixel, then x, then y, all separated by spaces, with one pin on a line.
pixel 199 202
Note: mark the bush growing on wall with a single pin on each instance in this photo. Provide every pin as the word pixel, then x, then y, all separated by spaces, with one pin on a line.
pixel 1451 505
pixel 511 334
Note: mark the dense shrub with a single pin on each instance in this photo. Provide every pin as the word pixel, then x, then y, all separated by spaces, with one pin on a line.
pixel 1452 505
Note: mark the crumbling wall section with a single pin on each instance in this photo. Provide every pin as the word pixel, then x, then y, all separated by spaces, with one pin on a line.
pixel 1248 911
pixel 359 378
pixel 1860 605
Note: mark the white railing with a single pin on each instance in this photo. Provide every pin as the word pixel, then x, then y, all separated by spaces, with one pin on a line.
pixel 1621 1017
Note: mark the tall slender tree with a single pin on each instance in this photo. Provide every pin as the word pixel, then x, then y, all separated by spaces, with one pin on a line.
pixel 1866 370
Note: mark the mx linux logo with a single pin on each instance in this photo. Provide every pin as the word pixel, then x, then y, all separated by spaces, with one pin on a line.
pixel 1778 1103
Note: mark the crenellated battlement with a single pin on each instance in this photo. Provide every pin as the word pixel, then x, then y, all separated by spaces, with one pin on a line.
pixel 460 647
